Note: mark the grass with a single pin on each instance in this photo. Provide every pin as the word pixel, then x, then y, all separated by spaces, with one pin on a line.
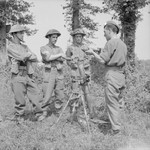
pixel 32 135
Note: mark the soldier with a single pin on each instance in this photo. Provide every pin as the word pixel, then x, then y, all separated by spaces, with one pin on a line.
pixel 53 83
pixel 80 65
pixel 114 57
pixel 21 59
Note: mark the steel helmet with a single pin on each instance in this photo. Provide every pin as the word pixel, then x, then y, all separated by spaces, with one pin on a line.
pixel 78 31
pixel 51 32
pixel 17 28
pixel 113 23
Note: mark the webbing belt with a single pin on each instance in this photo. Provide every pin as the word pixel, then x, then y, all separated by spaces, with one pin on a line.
pixel 115 68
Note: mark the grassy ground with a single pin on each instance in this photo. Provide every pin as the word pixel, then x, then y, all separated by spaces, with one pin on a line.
pixel 33 135
pixel 66 136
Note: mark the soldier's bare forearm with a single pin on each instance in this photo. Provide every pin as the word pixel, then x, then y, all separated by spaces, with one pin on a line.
pixel 33 58
pixel 99 58
pixel 52 57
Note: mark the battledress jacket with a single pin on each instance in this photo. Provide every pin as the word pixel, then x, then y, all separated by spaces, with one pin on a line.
pixel 46 57
pixel 17 53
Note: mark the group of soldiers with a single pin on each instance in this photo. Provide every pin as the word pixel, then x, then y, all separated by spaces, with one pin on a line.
pixel 113 56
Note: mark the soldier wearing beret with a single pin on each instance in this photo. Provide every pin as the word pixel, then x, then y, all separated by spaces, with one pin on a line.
pixel 114 57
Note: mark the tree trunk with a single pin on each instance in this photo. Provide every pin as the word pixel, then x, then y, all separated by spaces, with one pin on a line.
pixel 75 16
pixel 3 55
pixel 128 22
pixel 129 38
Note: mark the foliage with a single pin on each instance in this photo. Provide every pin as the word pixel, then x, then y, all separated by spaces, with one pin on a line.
pixel 13 12
pixel 66 136
pixel 128 13
pixel 17 11
pixel 86 11
pixel 137 92
pixel 69 136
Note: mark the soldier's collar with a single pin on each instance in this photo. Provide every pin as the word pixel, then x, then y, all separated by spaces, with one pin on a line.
pixel 77 45
pixel 51 46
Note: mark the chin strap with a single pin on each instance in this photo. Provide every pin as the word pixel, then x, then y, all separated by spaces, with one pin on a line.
pixel 21 40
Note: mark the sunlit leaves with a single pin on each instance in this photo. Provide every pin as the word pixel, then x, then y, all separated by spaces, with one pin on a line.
pixel 128 13
pixel 16 11
pixel 86 11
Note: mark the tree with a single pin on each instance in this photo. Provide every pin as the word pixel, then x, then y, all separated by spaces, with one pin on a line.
pixel 78 14
pixel 2 31
pixel 128 13
pixel 12 12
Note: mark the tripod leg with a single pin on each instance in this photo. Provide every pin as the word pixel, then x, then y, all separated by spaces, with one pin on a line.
pixel 85 112
pixel 64 109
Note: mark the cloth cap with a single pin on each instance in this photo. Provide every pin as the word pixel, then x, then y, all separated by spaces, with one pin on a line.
pixel 17 28
pixel 112 23
pixel 51 32
pixel 78 31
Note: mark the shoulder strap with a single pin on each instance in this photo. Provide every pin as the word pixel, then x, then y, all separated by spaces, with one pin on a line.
pixel 111 56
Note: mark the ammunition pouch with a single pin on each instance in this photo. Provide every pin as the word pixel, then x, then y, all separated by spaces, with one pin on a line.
pixel 54 64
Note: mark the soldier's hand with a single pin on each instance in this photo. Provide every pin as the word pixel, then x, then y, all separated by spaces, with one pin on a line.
pixel 63 56
pixel 45 53
pixel 28 55
pixel 89 52
pixel 84 48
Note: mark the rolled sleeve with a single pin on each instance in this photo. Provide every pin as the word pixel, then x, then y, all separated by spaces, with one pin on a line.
pixel 107 52
pixel 44 53
pixel 11 49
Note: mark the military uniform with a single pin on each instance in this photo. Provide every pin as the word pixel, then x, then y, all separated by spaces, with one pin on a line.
pixel 78 57
pixel 80 67
pixel 53 79
pixel 22 71
pixel 114 55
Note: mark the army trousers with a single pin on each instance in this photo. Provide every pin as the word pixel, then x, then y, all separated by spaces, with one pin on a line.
pixel 23 86
pixel 115 84
pixel 53 85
